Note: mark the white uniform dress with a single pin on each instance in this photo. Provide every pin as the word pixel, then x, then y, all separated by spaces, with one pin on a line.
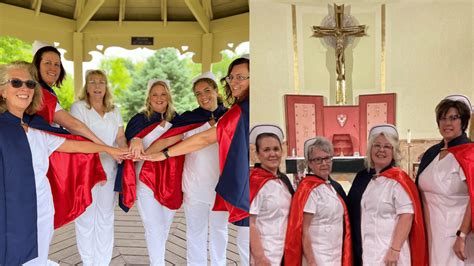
pixel 156 218
pixel 382 202
pixel 327 226
pixel 42 145
pixel 95 227
pixel 445 197
pixel 271 206
pixel 200 177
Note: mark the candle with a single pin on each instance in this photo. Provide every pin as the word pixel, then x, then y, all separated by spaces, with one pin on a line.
pixel 409 137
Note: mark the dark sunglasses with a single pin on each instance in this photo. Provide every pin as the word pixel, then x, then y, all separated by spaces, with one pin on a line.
pixel 17 83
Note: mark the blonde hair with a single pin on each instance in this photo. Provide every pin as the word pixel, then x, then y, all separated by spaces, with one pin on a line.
pixel 5 70
pixel 107 100
pixel 170 111
pixel 396 153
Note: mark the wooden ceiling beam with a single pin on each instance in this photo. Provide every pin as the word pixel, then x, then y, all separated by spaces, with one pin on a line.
pixel 123 3
pixel 78 9
pixel 199 13
pixel 89 10
pixel 164 12
pixel 36 5
pixel 207 5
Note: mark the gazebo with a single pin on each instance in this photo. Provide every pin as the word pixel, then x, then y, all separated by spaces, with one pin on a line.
pixel 204 27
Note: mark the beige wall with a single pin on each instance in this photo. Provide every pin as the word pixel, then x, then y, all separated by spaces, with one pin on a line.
pixel 429 54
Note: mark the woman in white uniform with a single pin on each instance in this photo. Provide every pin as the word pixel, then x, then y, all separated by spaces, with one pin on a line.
pixel 21 95
pixel 445 195
pixel 200 176
pixel 270 195
pixel 386 208
pixel 156 218
pixel 318 211
pixel 95 227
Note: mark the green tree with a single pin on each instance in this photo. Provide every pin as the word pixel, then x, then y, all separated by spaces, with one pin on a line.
pixel 164 64
pixel 13 49
pixel 119 74
pixel 66 93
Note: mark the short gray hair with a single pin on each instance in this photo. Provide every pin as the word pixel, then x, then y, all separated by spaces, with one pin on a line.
pixel 322 144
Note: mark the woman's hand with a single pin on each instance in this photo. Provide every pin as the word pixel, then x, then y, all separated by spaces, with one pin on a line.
pixel 458 247
pixel 392 257
pixel 155 157
pixel 136 148
pixel 118 154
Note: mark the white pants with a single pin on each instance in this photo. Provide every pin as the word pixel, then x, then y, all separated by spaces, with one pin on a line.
pixel 243 242
pixel 201 221
pixel 95 227
pixel 157 220
pixel 45 224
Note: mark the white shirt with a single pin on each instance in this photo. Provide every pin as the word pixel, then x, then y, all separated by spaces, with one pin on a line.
pixel 445 197
pixel 42 145
pixel 201 170
pixel 271 206
pixel 381 204
pixel 327 225
pixel 147 141
pixel 104 127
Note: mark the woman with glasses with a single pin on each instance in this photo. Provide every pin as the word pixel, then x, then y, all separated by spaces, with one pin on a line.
pixel 270 197
pixel 386 219
pixel 95 227
pixel 231 133
pixel 47 61
pixel 26 143
pixel 443 182
pixel 318 227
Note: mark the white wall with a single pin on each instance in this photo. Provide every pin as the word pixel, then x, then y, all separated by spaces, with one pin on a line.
pixel 429 54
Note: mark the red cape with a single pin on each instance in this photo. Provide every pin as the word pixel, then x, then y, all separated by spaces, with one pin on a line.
pixel 72 177
pixel 49 106
pixel 294 232
pixel 258 178
pixel 163 178
pixel 418 244
pixel 464 154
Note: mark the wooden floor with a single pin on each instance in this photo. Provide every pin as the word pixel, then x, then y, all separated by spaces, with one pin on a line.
pixel 130 245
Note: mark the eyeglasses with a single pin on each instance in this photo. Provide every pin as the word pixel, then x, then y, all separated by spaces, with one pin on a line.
pixel 450 118
pixel 229 78
pixel 96 82
pixel 17 83
pixel 320 160
pixel 380 147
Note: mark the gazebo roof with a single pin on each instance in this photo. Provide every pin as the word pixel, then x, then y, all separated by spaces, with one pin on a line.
pixel 136 10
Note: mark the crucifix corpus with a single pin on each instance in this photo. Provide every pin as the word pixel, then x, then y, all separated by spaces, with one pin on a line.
pixel 338 31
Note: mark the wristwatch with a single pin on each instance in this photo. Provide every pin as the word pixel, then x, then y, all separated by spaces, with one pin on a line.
pixel 165 152
pixel 461 234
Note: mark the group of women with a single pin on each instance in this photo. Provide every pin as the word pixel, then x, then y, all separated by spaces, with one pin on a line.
pixel 386 218
pixel 34 127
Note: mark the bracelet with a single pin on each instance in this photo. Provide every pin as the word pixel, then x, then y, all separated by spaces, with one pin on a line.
pixel 165 152
pixel 134 138
pixel 397 250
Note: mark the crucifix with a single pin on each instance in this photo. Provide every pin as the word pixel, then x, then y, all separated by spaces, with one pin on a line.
pixel 340 32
